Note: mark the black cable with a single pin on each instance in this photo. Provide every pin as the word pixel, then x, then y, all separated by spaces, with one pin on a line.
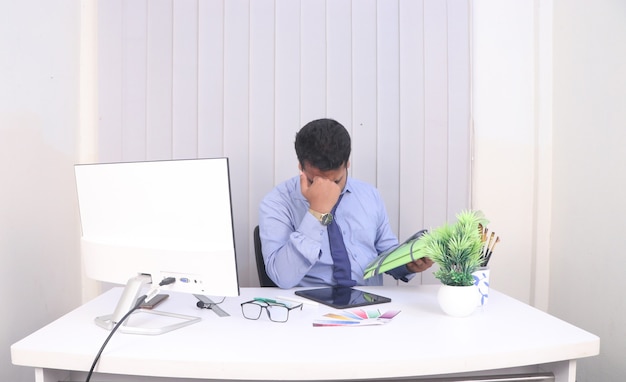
pixel 167 281
pixel 140 300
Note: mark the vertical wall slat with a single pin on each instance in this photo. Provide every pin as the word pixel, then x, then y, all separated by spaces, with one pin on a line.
pixel 210 78
pixel 364 113
pixel 313 72
pixel 185 79
pixel 339 61
pixel 458 106
pixel 411 102
pixel 287 96
pixel 110 81
pixel 159 80
pixel 236 118
pixel 435 113
pixel 388 103
pixel 134 19
pixel 262 105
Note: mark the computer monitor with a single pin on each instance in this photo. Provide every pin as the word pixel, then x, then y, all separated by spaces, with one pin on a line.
pixel 143 222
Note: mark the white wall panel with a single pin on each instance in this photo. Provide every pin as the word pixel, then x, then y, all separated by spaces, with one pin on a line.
pixel 412 120
pixel 388 107
pixel 313 72
pixel 134 18
pixel 210 78
pixel 110 81
pixel 287 95
pixel 236 120
pixel 339 61
pixel 159 80
pixel 202 78
pixel 262 105
pixel 459 109
pixel 435 112
pixel 185 79
pixel 411 103
pixel 364 116
pixel 261 113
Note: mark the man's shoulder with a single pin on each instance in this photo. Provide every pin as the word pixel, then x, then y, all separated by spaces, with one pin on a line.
pixel 364 191
pixel 288 185
pixel 286 189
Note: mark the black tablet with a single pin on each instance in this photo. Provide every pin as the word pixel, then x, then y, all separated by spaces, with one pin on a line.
pixel 342 297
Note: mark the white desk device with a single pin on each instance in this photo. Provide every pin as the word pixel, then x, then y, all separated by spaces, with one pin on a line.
pixel 143 222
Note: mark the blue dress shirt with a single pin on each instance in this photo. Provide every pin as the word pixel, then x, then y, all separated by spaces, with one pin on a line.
pixel 295 244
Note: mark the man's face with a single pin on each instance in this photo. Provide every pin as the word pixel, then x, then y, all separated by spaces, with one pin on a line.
pixel 339 175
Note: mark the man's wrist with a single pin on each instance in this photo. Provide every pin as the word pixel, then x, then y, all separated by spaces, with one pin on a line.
pixel 315 213
pixel 323 218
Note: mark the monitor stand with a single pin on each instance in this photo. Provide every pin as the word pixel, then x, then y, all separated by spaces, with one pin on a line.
pixel 128 300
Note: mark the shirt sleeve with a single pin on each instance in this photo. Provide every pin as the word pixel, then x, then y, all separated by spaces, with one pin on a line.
pixel 291 238
pixel 401 273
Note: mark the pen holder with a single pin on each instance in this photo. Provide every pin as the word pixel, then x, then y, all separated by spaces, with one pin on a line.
pixel 481 280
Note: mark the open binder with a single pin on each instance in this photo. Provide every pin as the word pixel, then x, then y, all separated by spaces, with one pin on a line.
pixel 406 252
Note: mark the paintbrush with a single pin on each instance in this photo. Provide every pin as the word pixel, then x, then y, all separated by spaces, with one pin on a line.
pixel 490 240
pixel 483 238
pixel 490 250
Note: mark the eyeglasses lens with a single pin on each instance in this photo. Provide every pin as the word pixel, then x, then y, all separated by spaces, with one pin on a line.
pixel 277 313
pixel 251 311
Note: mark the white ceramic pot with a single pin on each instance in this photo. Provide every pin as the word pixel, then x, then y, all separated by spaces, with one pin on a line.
pixel 458 301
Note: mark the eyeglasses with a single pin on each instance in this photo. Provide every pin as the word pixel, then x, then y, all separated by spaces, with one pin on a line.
pixel 276 311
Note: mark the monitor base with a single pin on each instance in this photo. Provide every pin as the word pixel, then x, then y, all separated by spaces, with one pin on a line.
pixel 107 322
pixel 128 302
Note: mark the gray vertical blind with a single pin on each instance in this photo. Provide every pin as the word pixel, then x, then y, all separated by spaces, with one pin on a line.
pixel 238 78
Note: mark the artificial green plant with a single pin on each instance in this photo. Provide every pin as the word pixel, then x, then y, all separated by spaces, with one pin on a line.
pixel 456 248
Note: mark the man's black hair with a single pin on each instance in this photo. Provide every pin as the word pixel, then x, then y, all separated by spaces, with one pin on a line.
pixel 324 144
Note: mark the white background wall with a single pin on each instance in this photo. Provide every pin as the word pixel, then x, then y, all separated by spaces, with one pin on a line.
pixel 504 140
pixel 589 178
pixel 550 161
pixel 39 259
pixel 584 158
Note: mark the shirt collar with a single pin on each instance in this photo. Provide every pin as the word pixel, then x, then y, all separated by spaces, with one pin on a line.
pixel 348 186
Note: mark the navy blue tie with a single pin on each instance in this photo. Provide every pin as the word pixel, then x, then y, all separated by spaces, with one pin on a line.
pixel 341 263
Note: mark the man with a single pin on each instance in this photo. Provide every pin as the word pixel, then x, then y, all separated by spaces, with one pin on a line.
pixel 299 218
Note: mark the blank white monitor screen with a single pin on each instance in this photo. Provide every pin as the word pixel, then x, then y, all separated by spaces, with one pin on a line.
pixel 161 218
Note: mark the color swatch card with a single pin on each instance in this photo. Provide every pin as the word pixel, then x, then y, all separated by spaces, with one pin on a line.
pixel 356 317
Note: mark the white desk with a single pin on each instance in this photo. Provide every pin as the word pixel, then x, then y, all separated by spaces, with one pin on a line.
pixel 506 336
